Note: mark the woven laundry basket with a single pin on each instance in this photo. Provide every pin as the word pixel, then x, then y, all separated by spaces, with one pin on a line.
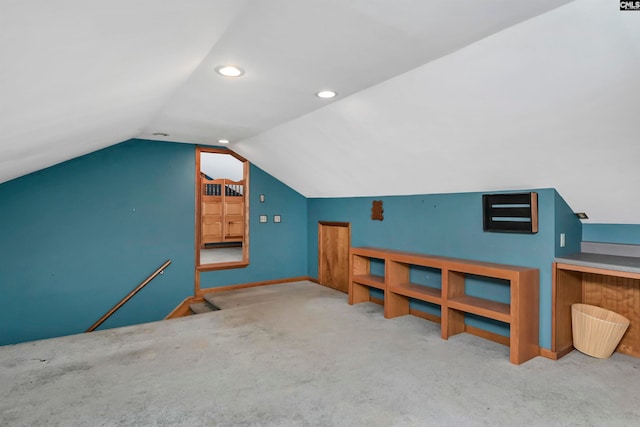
pixel 596 331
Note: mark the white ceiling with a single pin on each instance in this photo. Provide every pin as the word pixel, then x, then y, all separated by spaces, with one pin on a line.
pixel 433 96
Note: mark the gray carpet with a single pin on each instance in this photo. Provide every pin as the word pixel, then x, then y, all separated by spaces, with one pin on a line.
pixel 305 358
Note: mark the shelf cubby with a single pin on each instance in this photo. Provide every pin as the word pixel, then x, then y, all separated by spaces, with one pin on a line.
pixel 400 289
pixel 419 292
pixel 370 280
pixel 361 277
pixel 482 307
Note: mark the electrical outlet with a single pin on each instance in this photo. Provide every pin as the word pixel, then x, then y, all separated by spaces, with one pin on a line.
pixel 562 240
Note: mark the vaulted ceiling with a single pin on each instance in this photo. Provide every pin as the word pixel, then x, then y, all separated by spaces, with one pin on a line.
pixel 433 96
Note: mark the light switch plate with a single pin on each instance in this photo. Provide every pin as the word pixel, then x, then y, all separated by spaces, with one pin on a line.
pixel 276 218
pixel 263 218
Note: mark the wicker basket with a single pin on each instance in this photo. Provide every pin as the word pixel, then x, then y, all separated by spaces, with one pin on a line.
pixel 597 331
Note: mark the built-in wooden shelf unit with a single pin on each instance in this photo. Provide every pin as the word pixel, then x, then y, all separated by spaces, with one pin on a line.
pixel 521 313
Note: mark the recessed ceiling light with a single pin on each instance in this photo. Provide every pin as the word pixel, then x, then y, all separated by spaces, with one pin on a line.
pixel 223 141
pixel 160 134
pixel 229 70
pixel 326 94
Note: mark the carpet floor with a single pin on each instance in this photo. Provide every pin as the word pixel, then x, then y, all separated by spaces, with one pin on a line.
pixel 298 355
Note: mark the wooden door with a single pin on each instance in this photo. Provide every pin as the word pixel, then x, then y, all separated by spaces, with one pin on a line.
pixel 334 241
pixel 212 220
pixel 234 219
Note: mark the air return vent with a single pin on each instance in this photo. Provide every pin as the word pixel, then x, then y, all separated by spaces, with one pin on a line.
pixel 510 212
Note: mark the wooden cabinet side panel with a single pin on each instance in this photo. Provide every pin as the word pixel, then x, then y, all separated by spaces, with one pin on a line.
pixel 358 293
pixel 360 265
pixel 452 320
pixel 453 284
pixel 525 319
pixel 395 274
pixel 395 305
pixel 567 290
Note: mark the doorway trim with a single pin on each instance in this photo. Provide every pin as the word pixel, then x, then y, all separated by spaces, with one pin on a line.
pixel 198 214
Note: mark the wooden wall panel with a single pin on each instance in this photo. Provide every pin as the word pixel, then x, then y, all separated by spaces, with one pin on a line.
pixel 621 295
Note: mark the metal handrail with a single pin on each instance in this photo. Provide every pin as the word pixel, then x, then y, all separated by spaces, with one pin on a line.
pixel 129 296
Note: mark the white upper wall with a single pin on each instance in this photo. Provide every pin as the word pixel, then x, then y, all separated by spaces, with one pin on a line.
pixel 551 102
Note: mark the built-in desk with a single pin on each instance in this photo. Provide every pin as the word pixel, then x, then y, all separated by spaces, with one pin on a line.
pixel 608 281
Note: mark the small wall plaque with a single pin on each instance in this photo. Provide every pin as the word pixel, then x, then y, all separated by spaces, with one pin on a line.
pixel 377 211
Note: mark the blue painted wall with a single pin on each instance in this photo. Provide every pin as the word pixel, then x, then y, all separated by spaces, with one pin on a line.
pixel 448 225
pixel 628 234
pixel 568 223
pixel 77 237
pixel 277 250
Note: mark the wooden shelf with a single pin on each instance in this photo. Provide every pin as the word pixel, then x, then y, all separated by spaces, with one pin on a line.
pixel 419 292
pixel 521 315
pixel 370 280
pixel 482 307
